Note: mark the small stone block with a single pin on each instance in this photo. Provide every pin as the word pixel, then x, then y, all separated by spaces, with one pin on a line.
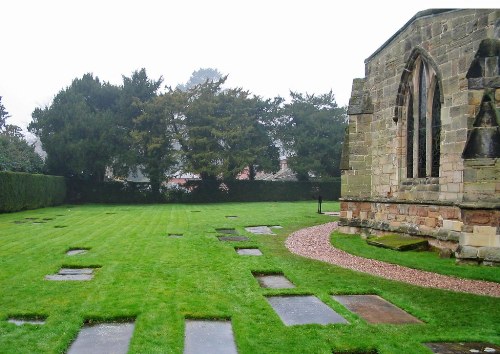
pixel 226 231
pixel 374 309
pixel 274 281
pixel 76 252
pixel 209 337
pixel 103 338
pixel 463 347
pixel 77 274
pixel 175 235
pixel 23 321
pixel 249 251
pixel 260 230
pixel 297 310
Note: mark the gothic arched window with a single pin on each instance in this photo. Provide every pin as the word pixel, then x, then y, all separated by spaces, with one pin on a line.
pixel 423 122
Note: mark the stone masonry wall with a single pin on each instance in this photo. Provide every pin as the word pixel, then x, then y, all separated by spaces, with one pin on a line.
pixel 450 39
pixel 463 203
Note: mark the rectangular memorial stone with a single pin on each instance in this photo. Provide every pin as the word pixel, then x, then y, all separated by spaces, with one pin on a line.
pixel 103 338
pixel 209 337
pixel 374 309
pixel 297 310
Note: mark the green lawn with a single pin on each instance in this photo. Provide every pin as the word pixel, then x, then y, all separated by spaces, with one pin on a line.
pixel 428 260
pixel 161 281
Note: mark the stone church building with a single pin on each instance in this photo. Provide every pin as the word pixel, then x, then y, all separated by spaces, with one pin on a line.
pixel 422 151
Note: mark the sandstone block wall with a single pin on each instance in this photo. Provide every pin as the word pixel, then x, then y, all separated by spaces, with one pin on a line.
pixel 376 193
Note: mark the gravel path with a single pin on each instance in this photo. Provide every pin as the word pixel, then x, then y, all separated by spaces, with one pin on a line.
pixel 314 242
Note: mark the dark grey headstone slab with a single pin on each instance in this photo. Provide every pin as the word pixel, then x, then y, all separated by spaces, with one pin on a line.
pixel 374 309
pixel 104 338
pixel 463 347
pixel 274 281
pixel 227 231
pixel 296 310
pixel 233 238
pixel 260 230
pixel 209 337
pixel 76 252
pixel 175 235
pixel 23 321
pixel 77 274
pixel 249 251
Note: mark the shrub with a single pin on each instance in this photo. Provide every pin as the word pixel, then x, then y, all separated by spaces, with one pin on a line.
pixel 19 191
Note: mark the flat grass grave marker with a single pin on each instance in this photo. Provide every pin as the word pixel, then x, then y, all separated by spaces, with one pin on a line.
pixel 374 309
pixel 298 310
pixel 72 274
pixel 273 281
pixel 22 320
pixel 76 251
pixel 399 242
pixel 228 231
pixel 463 347
pixel 248 251
pixel 175 235
pixel 260 230
pixel 103 338
pixel 231 217
pixel 209 337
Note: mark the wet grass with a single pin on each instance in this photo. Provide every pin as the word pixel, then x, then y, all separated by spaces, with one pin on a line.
pixel 161 281
pixel 425 260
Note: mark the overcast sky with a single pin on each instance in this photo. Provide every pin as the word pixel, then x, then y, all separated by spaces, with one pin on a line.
pixel 268 47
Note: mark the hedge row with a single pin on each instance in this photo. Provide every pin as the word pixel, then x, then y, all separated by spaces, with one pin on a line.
pixel 19 191
pixel 202 192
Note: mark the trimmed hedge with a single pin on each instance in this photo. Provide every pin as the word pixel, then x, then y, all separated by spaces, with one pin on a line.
pixel 202 192
pixel 19 191
pixel 80 191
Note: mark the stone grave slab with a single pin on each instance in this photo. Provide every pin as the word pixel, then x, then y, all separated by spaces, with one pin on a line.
pixel 231 217
pixel 76 274
pixel 297 310
pixel 103 338
pixel 276 227
pixel 260 230
pixel 463 347
pixel 175 235
pixel 209 337
pixel 77 251
pixel 22 321
pixel 274 281
pixel 249 251
pixel 374 309
pixel 233 238
pixel 227 231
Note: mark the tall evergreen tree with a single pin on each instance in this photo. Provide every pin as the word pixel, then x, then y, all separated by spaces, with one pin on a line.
pixel 312 128
pixel 77 130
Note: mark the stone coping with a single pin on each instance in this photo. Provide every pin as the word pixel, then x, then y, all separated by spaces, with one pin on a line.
pixel 461 205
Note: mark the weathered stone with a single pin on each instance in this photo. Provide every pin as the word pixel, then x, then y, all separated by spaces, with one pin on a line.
pixel 466 252
pixel 490 254
pixel 297 310
pixel 374 309
pixel 103 338
pixel 445 253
